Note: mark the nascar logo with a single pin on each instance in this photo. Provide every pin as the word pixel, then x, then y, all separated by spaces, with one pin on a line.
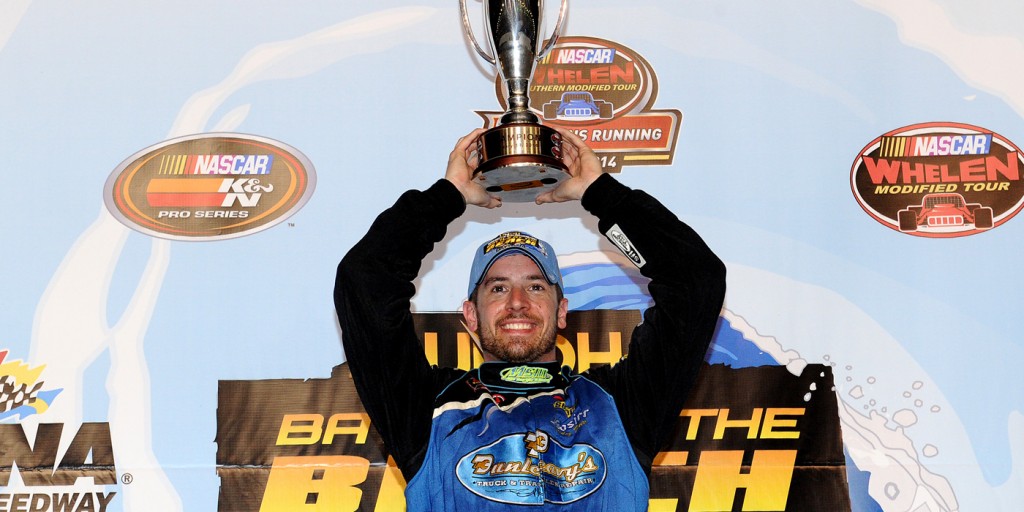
pixel 209 186
pixel 216 164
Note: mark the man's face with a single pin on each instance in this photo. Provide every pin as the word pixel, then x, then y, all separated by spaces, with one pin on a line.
pixel 516 313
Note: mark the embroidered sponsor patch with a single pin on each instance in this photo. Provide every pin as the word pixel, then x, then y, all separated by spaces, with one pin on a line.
pixel 515 239
pixel 621 241
pixel 531 468
pixel 574 419
pixel 526 375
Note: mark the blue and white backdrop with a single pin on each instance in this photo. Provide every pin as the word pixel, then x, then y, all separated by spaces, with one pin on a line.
pixel 780 105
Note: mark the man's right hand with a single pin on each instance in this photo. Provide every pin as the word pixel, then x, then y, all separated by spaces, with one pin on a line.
pixel 583 165
pixel 461 164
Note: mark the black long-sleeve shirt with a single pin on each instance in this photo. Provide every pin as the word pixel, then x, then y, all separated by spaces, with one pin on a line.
pixel 399 388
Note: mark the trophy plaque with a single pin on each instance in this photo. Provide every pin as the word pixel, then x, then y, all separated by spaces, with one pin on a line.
pixel 519 158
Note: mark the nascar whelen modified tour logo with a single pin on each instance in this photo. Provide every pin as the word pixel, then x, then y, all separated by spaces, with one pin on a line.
pixel 939 180
pixel 605 93
pixel 209 186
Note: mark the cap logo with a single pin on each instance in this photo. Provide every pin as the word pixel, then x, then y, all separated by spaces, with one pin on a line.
pixel 513 239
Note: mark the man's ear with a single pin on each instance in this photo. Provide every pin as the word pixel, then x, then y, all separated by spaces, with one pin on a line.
pixel 469 315
pixel 563 310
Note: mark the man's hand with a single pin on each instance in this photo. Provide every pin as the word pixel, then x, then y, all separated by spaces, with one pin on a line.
pixel 584 167
pixel 461 164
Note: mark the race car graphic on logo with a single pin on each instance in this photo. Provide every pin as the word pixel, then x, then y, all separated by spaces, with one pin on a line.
pixel 939 180
pixel 577 105
pixel 938 210
pixel 604 92
pixel 532 468
pixel 209 186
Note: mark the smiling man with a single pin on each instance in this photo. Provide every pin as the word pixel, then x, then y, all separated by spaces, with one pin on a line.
pixel 515 301
pixel 520 432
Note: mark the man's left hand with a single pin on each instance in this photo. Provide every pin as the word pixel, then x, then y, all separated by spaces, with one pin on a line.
pixel 461 163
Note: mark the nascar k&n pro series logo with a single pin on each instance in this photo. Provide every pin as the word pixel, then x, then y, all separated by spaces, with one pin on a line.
pixel 939 180
pixel 209 186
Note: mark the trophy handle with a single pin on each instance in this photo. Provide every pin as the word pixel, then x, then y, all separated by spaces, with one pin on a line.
pixel 469 31
pixel 554 33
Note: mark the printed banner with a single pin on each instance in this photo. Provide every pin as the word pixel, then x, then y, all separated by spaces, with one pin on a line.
pixel 760 437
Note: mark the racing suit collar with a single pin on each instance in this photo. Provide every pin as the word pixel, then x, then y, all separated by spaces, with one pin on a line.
pixel 521 375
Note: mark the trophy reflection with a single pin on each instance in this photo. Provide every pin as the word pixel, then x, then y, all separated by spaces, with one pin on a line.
pixel 519 158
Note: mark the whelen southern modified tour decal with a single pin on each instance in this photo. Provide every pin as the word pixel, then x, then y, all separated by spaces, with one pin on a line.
pixel 939 180
pixel 605 93
pixel 209 186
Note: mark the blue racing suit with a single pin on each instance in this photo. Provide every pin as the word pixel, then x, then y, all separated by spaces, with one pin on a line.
pixel 510 436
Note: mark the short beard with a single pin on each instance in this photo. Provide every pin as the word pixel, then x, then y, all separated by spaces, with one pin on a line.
pixel 518 350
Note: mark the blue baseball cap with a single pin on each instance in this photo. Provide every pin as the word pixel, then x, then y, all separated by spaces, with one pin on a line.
pixel 514 242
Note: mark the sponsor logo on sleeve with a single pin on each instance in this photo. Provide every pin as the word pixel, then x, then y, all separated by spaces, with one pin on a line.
pixel 209 186
pixel 621 241
pixel 939 180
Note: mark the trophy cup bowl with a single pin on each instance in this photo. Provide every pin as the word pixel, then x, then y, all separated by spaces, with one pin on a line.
pixel 519 158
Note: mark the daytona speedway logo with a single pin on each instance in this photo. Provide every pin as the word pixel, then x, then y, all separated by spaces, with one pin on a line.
pixel 209 186
pixel 49 466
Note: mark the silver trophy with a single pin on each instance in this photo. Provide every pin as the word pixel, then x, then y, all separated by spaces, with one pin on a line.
pixel 519 158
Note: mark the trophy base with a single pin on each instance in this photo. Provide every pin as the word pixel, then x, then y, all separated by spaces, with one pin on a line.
pixel 519 161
